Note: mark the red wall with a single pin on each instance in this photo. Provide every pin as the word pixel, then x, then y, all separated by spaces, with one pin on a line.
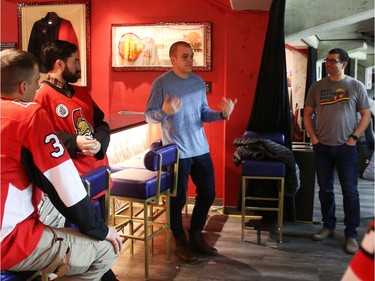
pixel 237 44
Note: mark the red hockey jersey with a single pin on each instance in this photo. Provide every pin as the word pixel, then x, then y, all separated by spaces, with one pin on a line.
pixel 33 156
pixel 72 116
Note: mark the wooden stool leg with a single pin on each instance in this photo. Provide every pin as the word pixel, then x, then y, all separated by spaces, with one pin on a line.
pixel 279 209
pixel 131 227
pixel 146 235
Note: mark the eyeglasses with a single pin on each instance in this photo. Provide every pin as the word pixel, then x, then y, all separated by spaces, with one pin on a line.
pixel 332 61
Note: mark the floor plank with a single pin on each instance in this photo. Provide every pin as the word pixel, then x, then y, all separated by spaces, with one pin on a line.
pixel 297 258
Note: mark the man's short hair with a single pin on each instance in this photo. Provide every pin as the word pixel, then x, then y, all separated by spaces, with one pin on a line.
pixel 56 50
pixel 16 66
pixel 343 55
pixel 173 48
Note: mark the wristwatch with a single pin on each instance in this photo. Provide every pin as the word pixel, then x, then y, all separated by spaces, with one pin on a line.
pixel 354 137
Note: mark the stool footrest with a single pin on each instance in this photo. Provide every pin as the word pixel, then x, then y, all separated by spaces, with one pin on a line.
pixel 262 209
pixel 141 238
pixel 261 198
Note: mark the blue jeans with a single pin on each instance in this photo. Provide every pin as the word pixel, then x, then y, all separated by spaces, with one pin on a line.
pixel 345 159
pixel 201 171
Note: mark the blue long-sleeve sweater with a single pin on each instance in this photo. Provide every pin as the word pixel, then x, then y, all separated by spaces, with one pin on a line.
pixel 185 128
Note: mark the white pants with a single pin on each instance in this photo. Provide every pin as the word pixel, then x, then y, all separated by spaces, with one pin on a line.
pixel 70 254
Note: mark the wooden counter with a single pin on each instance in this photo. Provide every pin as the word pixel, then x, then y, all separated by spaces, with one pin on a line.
pixel 120 122
pixel 130 135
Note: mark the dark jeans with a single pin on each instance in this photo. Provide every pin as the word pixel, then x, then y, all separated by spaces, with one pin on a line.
pixel 201 171
pixel 345 159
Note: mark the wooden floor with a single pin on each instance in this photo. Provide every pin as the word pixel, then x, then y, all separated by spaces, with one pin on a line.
pixel 297 258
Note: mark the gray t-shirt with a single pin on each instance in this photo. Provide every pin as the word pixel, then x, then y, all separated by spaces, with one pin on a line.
pixel 337 104
pixel 185 128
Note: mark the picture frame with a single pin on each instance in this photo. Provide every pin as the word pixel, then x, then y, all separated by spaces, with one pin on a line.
pixel 39 22
pixel 145 47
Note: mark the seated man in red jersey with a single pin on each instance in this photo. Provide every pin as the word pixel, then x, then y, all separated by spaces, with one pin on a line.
pixel 77 119
pixel 36 161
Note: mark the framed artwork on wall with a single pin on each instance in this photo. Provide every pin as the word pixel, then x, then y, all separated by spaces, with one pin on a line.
pixel 39 22
pixel 145 47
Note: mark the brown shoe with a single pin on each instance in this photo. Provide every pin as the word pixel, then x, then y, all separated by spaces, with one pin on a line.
pixel 322 234
pixel 197 243
pixel 182 250
pixel 351 246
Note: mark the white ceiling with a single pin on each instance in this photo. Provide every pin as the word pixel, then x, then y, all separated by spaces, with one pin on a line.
pixel 325 24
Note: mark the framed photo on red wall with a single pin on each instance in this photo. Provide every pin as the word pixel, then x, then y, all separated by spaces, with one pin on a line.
pixel 145 47
pixel 39 22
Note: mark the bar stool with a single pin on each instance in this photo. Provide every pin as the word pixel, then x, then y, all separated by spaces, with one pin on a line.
pixel 148 192
pixel 263 170
pixel 155 145
pixel 97 184
pixel 137 162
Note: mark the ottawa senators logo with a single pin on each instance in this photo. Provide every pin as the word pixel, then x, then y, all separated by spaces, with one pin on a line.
pixel 83 128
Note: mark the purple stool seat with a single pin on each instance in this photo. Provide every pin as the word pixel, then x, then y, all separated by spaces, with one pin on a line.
pixel 138 183
pixel 263 168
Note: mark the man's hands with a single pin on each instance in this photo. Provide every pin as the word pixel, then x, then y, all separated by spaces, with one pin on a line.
pixel 171 105
pixel 88 146
pixel 227 106
pixel 114 238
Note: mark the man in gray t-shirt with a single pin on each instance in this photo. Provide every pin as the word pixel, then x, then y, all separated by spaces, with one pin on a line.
pixel 334 102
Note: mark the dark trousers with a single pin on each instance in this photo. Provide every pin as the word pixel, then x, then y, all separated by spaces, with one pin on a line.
pixel 345 159
pixel 201 171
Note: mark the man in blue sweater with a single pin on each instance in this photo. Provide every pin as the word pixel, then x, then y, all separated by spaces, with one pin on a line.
pixel 178 102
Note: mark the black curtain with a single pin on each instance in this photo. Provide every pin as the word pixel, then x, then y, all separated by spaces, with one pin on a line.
pixel 311 68
pixel 271 110
pixel 312 56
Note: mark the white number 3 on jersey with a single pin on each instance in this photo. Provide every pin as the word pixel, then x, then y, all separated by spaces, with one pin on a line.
pixel 55 142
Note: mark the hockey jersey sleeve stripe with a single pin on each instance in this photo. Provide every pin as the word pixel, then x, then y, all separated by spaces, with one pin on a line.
pixel 67 194
pixel 66 182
